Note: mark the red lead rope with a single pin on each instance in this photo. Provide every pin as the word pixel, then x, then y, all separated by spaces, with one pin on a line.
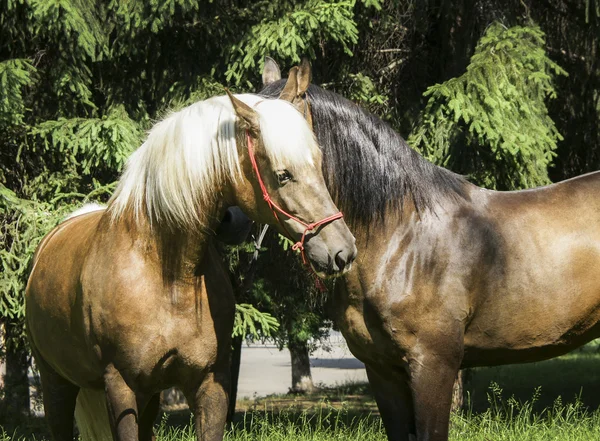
pixel 277 209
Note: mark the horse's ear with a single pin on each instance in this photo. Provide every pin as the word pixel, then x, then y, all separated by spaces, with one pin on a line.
pixel 248 117
pixel 304 76
pixel 290 91
pixel 271 72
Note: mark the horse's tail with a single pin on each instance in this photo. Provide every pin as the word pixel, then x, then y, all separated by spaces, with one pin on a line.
pixel 91 415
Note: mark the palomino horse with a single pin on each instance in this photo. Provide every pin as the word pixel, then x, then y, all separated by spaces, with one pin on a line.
pixel 125 302
pixel 449 275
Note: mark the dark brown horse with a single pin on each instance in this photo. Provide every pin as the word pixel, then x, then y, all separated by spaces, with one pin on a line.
pixel 449 275
pixel 125 302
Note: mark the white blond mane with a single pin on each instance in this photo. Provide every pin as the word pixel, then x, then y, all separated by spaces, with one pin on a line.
pixel 189 155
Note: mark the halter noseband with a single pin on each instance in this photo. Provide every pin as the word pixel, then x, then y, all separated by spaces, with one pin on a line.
pixel 277 209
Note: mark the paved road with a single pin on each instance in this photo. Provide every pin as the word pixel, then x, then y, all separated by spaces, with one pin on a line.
pixel 266 370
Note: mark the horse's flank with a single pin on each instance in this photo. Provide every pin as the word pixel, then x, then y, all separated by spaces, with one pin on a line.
pixel 531 259
pixel 489 279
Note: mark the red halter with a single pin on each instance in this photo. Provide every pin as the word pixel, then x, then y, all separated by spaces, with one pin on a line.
pixel 277 209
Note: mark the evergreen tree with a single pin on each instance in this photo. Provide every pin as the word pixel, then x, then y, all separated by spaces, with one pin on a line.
pixel 286 289
pixel 81 80
pixel 491 122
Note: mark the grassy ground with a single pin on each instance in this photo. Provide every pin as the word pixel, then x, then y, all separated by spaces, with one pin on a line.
pixel 576 375
pixel 553 400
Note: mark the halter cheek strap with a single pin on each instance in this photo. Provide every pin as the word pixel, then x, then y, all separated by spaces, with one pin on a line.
pixel 277 209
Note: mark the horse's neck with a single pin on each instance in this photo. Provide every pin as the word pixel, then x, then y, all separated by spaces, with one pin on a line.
pixel 393 220
pixel 404 227
pixel 180 254
pixel 177 253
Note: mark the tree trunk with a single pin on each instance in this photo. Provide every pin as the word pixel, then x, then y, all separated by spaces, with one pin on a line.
pixel 301 377
pixel 236 359
pixel 16 382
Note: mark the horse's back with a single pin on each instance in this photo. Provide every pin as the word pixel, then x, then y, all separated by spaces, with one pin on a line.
pixel 542 295
pixel 577 196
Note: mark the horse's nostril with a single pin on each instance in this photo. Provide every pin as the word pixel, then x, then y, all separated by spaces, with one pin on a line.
pixel 340 260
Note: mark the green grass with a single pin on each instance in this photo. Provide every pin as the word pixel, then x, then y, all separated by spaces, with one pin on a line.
pixel 556 400
pixel 503 421
pixel 516 420
pixel 569 422
pixel 573 376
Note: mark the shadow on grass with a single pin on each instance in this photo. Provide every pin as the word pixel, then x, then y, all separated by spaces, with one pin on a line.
pixel 25 428
pixel 568 377
pixel 331 407
pixel 315 418
pixel 330 419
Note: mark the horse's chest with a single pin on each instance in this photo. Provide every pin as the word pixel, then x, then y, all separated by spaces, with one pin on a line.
pixel 354 329
pixel 365 329
pixel 167 355
pixel 168 344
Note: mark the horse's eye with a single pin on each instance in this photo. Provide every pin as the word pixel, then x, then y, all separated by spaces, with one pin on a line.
pixel 284 177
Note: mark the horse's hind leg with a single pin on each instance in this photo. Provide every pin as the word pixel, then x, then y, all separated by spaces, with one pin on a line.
pixel 394 400
pixel 210 404
pixel 122 406
pixel 59 397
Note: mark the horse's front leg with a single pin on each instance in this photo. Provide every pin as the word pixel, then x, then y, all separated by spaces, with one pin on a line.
pixel 122 406
pixel 394 401
pixel 432 381
pixel 209 404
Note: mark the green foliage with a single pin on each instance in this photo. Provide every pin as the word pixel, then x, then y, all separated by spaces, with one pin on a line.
pixel 283 289
pixel 77 22
pixel 154 15
pixel 361 89
pixel 249 322
pixel 24 223
pixel 92 143
pixel 286 289
pixel 184 94
pixel 293 32
pixel 15 75
pixel 252 323
pixel 492 122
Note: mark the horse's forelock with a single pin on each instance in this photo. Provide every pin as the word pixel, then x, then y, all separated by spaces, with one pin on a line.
pixel 288 140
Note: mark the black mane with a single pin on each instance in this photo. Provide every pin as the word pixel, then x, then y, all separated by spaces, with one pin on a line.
pixel 368 167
